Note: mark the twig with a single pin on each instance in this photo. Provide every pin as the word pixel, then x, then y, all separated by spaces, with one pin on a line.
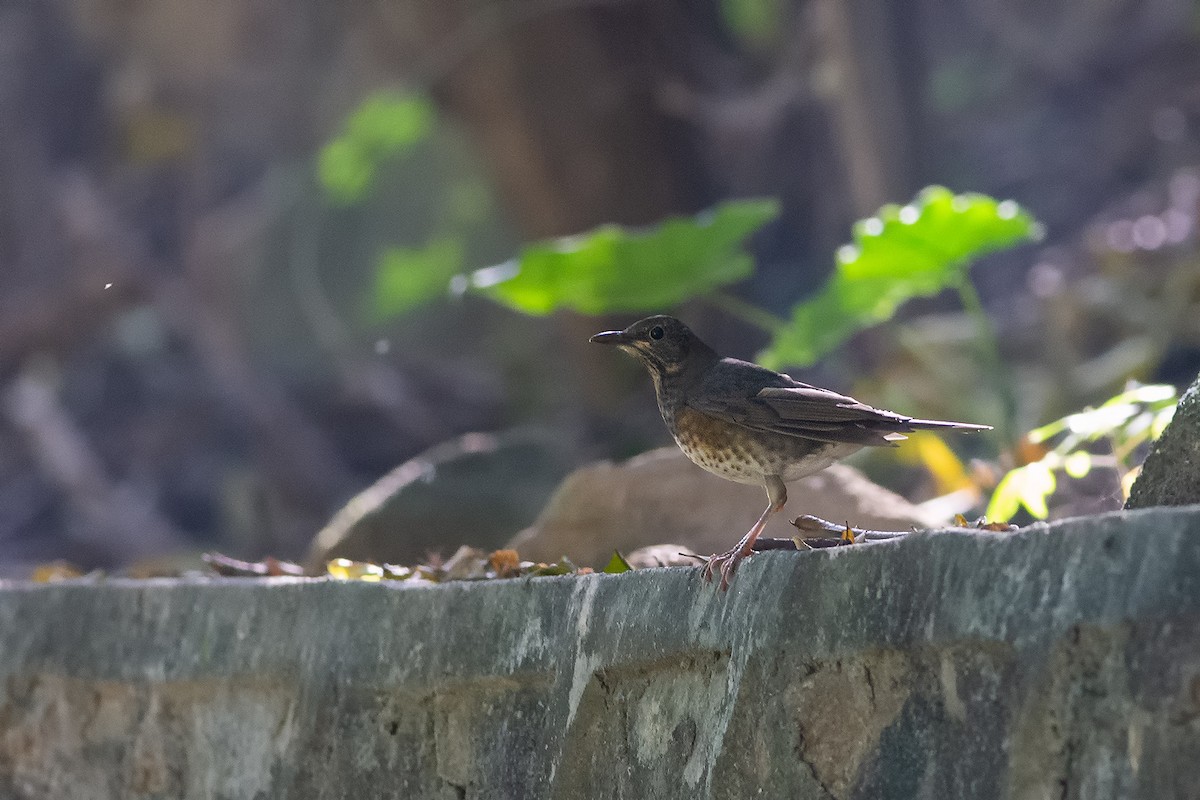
pixel 821 542
pixel 808 524
pixel 235 568
pixel 811 527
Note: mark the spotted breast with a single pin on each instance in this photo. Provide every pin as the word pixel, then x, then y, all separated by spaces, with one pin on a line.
pixel 747 456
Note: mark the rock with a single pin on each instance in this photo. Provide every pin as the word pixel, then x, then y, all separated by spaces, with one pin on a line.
pixel 477 489
pixel 661 496
pixel 1171 474
pixel 661 555
pixel 1059 662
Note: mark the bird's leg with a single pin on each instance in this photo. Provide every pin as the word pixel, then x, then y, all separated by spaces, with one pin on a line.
pixel 728 561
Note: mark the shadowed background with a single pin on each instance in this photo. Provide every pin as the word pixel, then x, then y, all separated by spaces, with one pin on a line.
pixel 199 343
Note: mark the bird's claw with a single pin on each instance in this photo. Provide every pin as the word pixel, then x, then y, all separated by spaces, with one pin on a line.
pixel 726 563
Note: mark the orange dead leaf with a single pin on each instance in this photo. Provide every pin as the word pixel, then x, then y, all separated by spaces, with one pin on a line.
pixel 505 563
pixel 55 571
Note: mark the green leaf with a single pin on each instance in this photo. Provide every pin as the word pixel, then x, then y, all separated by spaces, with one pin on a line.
pixel 1028 486
pixel 345 171
pixel 406 278
pixel 1119 416
pixel 912 251
pixel 1161 420
pixel 1077 464
pixel 614 269
pixel 1006 499
pixel 385 124
pixel 755 22
pixel 547 570
pixel 1038 483
pixel 617 564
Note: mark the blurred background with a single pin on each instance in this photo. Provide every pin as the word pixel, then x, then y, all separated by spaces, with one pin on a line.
pixel 206 210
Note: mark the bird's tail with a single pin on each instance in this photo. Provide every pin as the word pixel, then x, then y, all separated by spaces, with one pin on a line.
pixel 935 424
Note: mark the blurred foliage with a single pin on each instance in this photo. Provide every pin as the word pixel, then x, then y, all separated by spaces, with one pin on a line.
pixel 386 124
pixel 756 23
pixel 943 465
pixel 904 252
pixel 1128 421
pixel 154 135
pixel 614 269
pixel 406 278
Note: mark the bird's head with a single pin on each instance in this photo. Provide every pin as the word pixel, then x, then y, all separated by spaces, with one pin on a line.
pixel 663 344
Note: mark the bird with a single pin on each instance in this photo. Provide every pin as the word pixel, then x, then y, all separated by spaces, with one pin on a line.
pixel 752 425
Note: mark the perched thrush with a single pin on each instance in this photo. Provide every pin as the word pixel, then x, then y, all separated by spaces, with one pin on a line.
pixel 749 424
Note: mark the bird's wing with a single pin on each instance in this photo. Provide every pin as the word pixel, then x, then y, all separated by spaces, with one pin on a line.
pixel 757 398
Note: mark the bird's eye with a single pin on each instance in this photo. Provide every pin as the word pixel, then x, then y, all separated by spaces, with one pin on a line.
pixel 656 332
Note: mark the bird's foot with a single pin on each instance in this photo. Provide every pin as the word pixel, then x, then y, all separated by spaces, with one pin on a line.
pixel 726 564
pixel 848 535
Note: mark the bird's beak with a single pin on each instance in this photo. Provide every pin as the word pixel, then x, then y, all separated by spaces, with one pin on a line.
pixel 610 337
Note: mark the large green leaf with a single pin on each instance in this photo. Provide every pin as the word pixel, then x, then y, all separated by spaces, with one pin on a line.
pixel 904 252
pixel 613 269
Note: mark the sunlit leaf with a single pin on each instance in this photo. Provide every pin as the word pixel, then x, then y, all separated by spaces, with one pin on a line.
pixel 347 570
pixel 1027 486
pixel 1139 426
pixel 617 564
pixel 1047 431
pixel 55 571
pixel 1005 500
pixel 1148 393
pixel 1078 464
pixel 615 269
pixel 903 252
pixel 1161 420
pixel 406 278
pixel 1118 416
pixel 1127 421
pixel 1101 421
pixel 935 455
pixel 1128 480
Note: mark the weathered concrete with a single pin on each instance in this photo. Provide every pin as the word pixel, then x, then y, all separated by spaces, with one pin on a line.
pixel 1060 662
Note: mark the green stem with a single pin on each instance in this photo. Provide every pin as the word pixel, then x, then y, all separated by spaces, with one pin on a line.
pixel 746 311
pixel 989 346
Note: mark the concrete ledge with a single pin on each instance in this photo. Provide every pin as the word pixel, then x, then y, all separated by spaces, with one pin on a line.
pixel 1060 662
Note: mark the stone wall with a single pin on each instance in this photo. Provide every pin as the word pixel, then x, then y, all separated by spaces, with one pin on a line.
pixel 1059 662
